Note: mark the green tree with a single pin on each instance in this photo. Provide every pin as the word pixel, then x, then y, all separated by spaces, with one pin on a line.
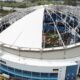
pixel 40 1
pixel 70 2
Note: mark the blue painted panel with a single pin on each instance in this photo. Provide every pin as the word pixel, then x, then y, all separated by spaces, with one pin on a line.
pixel 27 74
pixel 71 72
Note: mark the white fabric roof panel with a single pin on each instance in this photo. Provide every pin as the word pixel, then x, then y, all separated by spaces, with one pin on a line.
pixel 26 32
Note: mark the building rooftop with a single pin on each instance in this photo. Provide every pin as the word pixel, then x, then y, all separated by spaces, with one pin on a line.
pixel 43 28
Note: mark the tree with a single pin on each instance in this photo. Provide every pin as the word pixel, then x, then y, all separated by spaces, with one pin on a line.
pixel 40 1
pixel 70 2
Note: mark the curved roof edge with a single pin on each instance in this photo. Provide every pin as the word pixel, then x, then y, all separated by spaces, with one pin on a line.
pixel 39 49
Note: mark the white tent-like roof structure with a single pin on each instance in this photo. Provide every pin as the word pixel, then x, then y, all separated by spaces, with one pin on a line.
pixel 26 32
pixel 42 28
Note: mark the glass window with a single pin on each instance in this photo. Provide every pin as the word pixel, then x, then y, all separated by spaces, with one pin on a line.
pixel 11 69
pixel 26 73
pixel 18 71
pixel 52 75
pixel 3 66
pixel 35 74
pixel 44 75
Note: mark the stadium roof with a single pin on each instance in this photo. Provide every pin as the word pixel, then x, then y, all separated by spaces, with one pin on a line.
pixel 26 32
pixel 43 28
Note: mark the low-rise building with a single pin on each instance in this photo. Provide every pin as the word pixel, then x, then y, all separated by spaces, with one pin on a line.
pixel 12 0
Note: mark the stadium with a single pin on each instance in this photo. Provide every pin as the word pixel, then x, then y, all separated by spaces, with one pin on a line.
pixel 41 43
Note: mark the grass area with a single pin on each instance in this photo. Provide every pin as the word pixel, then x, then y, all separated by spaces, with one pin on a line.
pixel 12 4
pixel 27 3
pixel 5 12
pixel 44 3
pixel 24 5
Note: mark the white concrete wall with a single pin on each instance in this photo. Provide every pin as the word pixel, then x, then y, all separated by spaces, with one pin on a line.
pixel 61 73
pixel 54 54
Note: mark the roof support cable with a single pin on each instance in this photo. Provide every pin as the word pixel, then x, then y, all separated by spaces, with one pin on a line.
pixel 70 28
pixel 62 20
pixel 60 37
pixel 73 15
pixel 75 20
pixel 73 29
pixel 56 28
